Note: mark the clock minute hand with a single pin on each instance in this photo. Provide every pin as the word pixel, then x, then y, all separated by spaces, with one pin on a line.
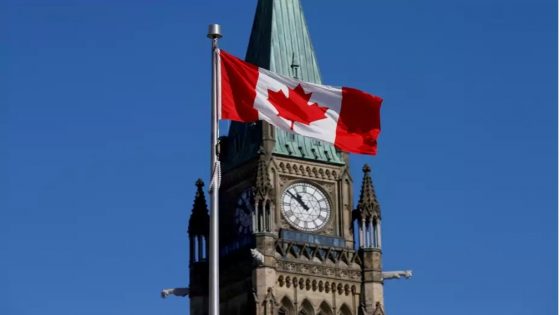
pixel 298 198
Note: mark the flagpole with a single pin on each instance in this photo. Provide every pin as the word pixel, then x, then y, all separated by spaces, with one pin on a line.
pixel 214 272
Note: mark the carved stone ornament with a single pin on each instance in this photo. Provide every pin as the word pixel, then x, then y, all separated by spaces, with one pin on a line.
pixel 263 188
pixel 378 309
pixel 310 284
pixel 308 170
pixel 270 297
pixel 307 269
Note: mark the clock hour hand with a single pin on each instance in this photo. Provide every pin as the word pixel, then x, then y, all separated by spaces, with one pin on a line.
pixel 298 198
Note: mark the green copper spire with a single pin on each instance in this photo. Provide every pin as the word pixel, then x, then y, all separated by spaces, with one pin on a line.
pixel 279 37
pixel 280 42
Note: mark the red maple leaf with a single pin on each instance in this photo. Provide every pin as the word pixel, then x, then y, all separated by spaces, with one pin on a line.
pixel 295 107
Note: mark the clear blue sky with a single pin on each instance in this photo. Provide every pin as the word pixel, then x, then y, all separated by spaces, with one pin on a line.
pixel 104 130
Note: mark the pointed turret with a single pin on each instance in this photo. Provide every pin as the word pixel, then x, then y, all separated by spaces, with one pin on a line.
pixel 368 206
pixel 198 225
pixel 367 216
pixel 198 231
pixel 368 213
pixel 262 188
pixel 281 43
pixel 262 192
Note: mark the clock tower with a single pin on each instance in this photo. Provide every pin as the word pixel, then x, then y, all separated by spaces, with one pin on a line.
pixel 291 239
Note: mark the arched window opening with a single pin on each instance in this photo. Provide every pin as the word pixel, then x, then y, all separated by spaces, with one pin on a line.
pixel 306 308
pixel 267 214
pixel 260 219
pixel 191 248
pixel 200 246
pixel 195 251
pixel 344 310
pixel 286 307
pixel 325 309
pixel 203 249
pixel 375 235
pixel 356 234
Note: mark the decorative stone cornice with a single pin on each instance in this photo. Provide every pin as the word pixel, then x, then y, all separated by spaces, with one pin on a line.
pixel 310 269
pixel 308 170
pixel 317 284
pixel 334 261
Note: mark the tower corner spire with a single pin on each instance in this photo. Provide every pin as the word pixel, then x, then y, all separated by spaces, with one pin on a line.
pixel 263 187
pixel 368 206
pixel 198 222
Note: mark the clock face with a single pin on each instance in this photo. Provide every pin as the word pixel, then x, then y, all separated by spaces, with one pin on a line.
pixel 243 212
pixel 305 207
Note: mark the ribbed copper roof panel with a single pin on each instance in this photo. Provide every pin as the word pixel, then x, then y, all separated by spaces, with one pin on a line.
pixel 279 36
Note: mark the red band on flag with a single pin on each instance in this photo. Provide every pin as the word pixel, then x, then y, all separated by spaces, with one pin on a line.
pixel 359 122
pixel 239 80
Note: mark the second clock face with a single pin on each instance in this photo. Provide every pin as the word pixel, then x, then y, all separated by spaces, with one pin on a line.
pixel 305 207
pixel 243 212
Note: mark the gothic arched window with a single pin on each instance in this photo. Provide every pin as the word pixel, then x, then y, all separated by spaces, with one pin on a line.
pixel 344 310
pixel 306 308
pixel 325 309
pixel 286 307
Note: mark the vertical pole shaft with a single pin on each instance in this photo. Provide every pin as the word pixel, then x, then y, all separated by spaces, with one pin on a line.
pixel 214 271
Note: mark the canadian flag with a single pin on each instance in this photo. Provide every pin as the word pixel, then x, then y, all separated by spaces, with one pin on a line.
pixel 345 117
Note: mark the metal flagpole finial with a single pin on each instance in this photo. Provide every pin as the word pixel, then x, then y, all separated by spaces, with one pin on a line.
pixel 214 31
